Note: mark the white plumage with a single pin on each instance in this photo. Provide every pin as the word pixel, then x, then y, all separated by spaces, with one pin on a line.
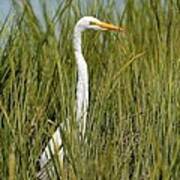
pixel 82 92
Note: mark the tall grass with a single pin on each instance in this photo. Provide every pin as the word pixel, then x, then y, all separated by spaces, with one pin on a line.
pixel 133 129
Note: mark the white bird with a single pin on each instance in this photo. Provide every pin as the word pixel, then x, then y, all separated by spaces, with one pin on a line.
pixel 82 92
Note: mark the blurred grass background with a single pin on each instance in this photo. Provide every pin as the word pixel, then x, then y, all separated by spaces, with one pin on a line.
pixel 134 116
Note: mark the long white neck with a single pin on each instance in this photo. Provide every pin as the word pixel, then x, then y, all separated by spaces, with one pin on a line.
pixel 82 93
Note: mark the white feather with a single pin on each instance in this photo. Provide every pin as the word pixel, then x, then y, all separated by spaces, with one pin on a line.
pixel 82 95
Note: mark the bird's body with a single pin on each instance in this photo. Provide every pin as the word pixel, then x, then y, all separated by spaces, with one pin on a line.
pixel 82 92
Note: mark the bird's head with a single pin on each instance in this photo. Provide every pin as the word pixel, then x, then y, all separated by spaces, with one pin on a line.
pixel 89 22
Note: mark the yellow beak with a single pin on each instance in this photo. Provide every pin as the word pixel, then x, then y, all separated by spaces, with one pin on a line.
pixel 110 27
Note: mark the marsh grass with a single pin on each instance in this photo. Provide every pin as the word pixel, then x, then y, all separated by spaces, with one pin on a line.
pixel 133 129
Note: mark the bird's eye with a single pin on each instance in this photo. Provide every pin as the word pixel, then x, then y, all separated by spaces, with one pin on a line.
pixel 92 23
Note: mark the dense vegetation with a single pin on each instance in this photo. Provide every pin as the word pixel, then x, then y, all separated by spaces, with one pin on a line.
pixel 133 129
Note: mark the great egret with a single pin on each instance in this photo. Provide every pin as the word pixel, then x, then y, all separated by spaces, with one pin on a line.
pixel 82 93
